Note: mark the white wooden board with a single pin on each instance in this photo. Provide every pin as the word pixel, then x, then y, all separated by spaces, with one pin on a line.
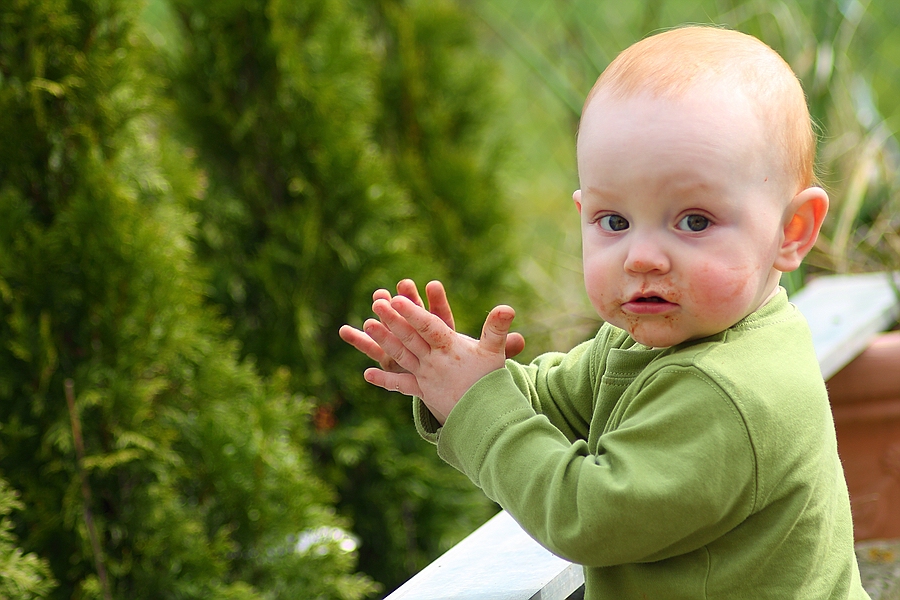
pixel 499 561
pixel 845 312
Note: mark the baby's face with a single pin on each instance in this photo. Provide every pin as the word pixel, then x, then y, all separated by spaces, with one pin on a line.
pixel 682 211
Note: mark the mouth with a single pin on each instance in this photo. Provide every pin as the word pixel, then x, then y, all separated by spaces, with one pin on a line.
pixel 649 299
pixel 648 304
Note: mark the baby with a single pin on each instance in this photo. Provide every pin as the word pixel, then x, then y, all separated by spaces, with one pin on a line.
pixel 688 450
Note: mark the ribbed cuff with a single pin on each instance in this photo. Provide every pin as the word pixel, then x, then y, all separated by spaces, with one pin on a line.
pixel 427 426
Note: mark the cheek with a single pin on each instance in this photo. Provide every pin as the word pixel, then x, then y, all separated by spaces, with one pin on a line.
pixel 599 294
pixel 599 284
pixel 721 290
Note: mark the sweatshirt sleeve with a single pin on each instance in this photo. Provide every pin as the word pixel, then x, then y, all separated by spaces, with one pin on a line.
pixel 557 385
pixel 676 472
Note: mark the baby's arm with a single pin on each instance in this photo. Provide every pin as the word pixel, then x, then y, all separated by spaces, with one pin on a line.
pixel 440 365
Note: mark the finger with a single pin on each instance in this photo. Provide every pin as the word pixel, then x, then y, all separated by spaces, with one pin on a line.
pixel 393 382
pixel 399 339
pixel 400 328
pixel 429 328
pixel 408 289
pixel 496 330
pixel 381 294
pixel 365 344
pixel 438 304
pixel 515 343
pixel 393 348
pixel 362 342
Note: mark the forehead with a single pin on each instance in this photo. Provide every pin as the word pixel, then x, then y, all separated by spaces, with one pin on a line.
pixel 712 104
pixel 716 130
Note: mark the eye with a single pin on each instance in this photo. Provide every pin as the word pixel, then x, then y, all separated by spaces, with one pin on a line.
pixel 613 223
pixel 693 223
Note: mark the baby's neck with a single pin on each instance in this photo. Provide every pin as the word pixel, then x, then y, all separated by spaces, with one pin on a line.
pixel 771 295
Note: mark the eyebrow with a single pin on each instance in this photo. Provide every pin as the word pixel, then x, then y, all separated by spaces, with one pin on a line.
pixel 679 188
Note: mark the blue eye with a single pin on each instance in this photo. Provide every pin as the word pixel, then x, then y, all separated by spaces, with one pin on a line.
pixel 613 223
pixel 693 223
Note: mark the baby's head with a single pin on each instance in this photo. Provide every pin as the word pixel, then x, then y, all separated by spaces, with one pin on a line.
pixel 695 158
pixel 703 60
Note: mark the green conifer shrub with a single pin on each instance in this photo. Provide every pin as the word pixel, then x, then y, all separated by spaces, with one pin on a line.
pixel 178 472
pixel 22 576
pixel 347 144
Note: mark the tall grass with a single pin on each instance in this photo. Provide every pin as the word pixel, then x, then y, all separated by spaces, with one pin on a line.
pixel 846 53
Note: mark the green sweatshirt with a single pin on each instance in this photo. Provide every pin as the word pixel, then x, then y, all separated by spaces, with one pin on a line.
pixel 705 470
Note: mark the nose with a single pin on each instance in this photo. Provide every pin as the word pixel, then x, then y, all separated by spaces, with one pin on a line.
pixel 645 255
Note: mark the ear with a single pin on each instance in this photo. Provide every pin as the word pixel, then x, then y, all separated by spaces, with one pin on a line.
pixel 577 198
pixel 802 220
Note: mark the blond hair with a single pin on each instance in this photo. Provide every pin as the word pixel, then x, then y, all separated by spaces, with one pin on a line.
pixel 672 63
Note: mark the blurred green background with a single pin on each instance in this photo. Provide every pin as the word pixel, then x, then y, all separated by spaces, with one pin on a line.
pixel 194 196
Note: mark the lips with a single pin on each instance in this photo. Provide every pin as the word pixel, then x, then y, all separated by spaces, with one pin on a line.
pixel 648 296
pixel 648 304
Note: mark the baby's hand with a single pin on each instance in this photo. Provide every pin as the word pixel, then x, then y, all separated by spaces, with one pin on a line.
pixel 437 304
pixel 441 365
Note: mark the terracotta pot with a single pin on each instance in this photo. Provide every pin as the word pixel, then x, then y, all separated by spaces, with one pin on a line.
pixel 865 400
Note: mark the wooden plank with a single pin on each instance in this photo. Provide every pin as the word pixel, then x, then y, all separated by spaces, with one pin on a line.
pixel 499 561
pixel 845 312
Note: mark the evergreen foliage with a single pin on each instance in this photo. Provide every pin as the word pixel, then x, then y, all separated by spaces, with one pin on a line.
pixel 22 576
pixel 178 472
pixel 346 146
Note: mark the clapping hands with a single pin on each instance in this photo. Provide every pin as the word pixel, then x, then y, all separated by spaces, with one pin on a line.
pixel 420 353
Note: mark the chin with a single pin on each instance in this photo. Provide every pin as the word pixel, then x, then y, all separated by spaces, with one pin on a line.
pixel 659 339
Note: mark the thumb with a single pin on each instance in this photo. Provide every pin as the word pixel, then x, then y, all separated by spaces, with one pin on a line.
pixel 496 328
